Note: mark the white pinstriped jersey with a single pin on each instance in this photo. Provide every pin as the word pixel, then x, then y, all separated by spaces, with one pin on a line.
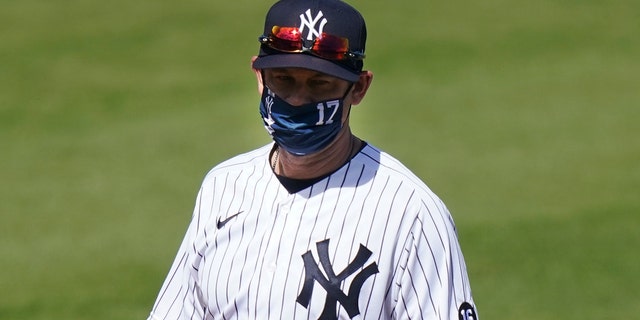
pixel 370 241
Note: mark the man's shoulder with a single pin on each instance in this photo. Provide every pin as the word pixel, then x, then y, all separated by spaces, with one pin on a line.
pixel 251 160
pixel 387 166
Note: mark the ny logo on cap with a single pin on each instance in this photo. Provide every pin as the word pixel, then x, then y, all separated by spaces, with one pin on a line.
pixel 311 22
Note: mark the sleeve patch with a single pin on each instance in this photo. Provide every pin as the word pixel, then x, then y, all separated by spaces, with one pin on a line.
pixel 467 312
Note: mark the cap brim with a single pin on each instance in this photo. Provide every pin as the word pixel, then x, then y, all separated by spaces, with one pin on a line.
pixel 298 60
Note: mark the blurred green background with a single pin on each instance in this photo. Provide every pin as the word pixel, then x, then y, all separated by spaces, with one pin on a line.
pixel 523 116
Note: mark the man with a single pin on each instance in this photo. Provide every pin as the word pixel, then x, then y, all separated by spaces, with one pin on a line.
pixel 319 224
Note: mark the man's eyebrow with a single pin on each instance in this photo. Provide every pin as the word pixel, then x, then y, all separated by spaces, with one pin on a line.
pixel 283 70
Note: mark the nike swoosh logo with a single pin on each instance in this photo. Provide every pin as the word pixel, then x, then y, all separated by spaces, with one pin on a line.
pixel 222 223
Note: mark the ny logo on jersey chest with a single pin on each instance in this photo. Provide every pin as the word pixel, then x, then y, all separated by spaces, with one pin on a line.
pixel 332 282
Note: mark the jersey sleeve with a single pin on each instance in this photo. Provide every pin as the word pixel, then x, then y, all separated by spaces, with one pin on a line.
pixel 179 296
pixel 434 282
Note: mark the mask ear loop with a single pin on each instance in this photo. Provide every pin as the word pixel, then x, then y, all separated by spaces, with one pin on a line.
pixel 351 84
pixel 343 98
pixel 264 84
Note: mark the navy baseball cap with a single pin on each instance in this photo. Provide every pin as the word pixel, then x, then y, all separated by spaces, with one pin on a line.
pixel 313 22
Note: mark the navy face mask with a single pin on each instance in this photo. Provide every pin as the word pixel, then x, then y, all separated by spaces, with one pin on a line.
pixel 304 129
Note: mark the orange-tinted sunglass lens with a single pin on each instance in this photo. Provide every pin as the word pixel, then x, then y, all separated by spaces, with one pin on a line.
pixel 330 47
pixel 286 39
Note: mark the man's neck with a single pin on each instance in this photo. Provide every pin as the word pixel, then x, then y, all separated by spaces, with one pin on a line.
pixel 341 150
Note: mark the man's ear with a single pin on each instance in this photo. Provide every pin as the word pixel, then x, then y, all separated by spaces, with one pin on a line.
pixel 361 87
pixel 258 75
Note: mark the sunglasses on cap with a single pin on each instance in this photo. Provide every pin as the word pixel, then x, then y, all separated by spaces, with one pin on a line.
pixel 327 46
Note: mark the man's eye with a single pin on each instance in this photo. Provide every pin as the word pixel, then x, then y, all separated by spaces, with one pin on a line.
pixel 319 83
pixel 284 79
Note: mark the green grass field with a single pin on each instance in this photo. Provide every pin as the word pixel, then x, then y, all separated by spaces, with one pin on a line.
pixel 523 116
